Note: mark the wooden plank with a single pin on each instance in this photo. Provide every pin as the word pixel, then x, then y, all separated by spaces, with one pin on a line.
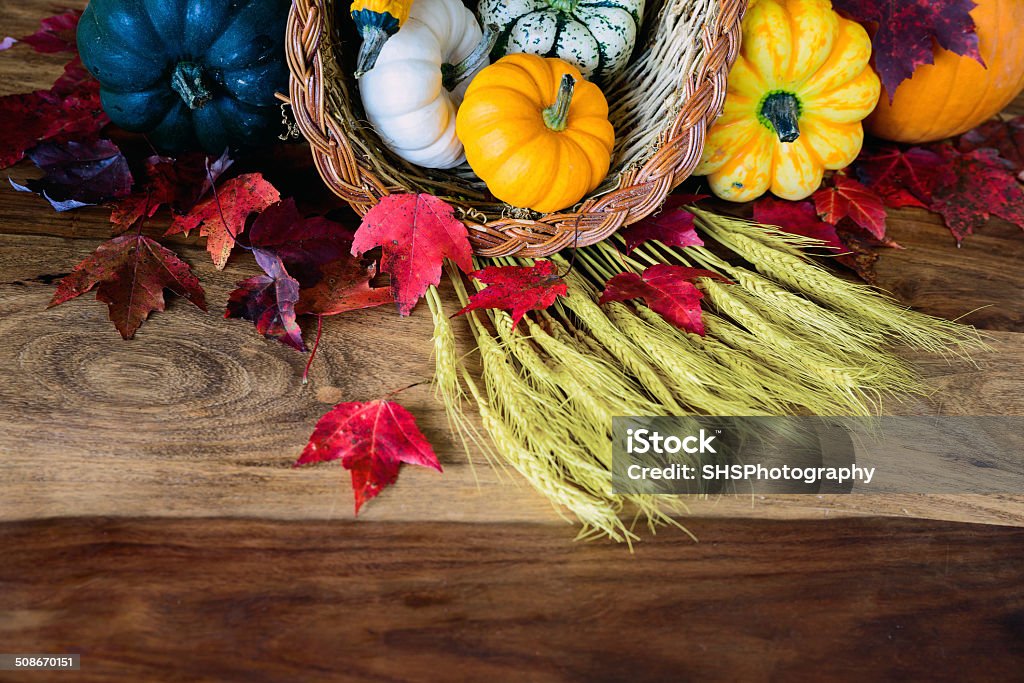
pixel 979 283
pixel 198 416
pixel 217 415
pixel 217 600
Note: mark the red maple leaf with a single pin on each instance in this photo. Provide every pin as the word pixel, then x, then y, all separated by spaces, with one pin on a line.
pixel 55 34
pixel 269 301
pixel 517 289
pixel 798 218
pixel 127 211
pixel 71 108
pixel 902 178
pixel 847 198
pixel 978 186
pixel 344 285
pixel 130 274
pixel 966 188
pixel 668 291
pixel 317 252
pixel 854 247
pixel 372 440
pixel 416 232
pixel 673 226
pixel 905 33
pixel 221 217
pixel 78 173
pixel 76 81
pixel 177 183
pixel 1006 137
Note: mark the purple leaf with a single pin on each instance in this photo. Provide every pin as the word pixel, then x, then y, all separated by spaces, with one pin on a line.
pixel 79 173
pixel 304 244
pixel 907 31
pixel 269 301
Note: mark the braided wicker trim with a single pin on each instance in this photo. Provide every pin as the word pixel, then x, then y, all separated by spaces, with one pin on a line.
pixel 641 190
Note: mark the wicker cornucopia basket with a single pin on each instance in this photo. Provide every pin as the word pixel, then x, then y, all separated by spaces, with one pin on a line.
pixel 661 106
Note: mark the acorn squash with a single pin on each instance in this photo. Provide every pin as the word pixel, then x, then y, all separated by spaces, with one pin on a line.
pixel 189 73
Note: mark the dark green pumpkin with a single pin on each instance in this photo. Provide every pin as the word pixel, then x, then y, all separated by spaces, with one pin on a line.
pixel 189 72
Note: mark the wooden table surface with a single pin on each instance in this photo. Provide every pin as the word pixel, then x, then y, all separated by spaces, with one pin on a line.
pixel 150 519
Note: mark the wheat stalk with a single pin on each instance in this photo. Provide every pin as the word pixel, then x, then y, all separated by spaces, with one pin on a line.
pixel 851 300
pixel 789 338
pixel 580 300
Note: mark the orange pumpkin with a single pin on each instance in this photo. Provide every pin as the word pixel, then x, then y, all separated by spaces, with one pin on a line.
pixel 957 93
pixel 536 132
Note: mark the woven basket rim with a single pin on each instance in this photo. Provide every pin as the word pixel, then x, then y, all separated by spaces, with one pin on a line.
pixel 641 191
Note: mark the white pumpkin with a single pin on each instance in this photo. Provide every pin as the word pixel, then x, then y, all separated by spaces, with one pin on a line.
pixel 595 35
pixel 412 93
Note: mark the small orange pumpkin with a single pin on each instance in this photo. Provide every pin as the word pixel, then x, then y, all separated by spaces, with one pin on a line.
pixel 536 132
pixel 956 93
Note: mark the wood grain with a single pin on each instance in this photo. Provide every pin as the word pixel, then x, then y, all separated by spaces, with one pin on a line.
pixel 198 416
pixel 198 420
pixel 979 283
pixel 755 601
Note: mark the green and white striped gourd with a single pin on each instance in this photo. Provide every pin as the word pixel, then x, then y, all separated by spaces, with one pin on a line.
pixel 595 35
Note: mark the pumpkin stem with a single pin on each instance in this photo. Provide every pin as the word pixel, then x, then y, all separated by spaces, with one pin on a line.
pixel 782 111
pixel 374 38
pixel 556 117
pixel 453 74
pixel 187 80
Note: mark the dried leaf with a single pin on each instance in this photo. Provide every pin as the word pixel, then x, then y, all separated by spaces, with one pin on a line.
pixel 79 174
pixel 221 217
pixel 847 198
pixel 269 301
pixel 667 289
pixel 517 289
pixel 130 274
pixel 861 255
pixel 371 440
pixel 905 33
pixel 416 232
